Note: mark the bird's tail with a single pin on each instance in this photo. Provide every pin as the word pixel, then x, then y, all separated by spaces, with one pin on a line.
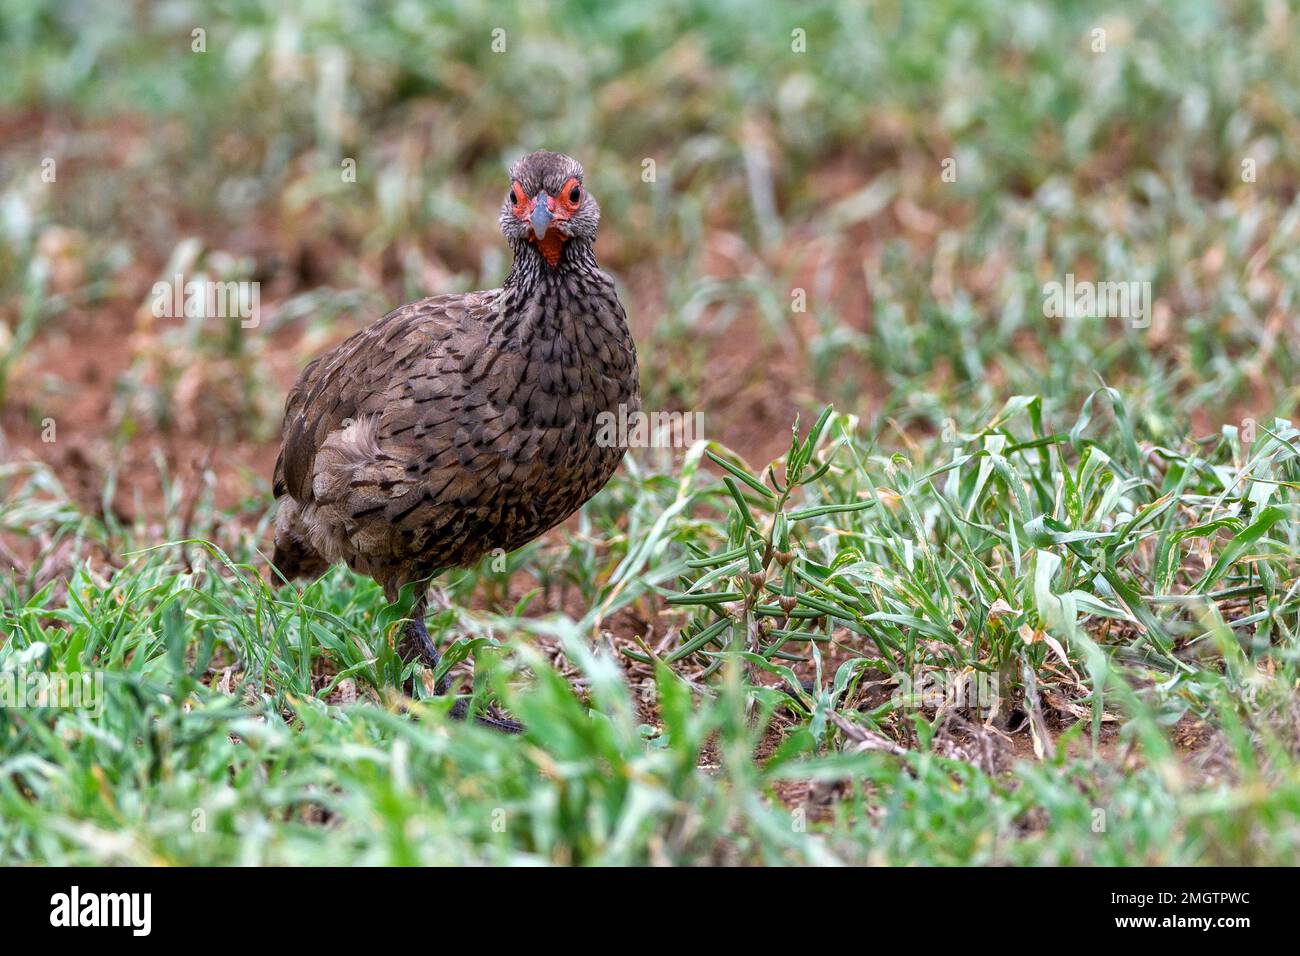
pixel 297 562
pixel 294 556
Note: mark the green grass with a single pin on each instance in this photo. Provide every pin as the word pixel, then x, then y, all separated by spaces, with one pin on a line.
pixel 1096 516
pixel 218 704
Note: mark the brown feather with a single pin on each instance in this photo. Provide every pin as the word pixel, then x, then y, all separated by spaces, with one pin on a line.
pixel 454 426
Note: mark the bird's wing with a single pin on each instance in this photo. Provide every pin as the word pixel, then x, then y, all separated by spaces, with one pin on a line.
pixel 390 378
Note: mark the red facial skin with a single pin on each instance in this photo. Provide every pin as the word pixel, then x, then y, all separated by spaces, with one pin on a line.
pixel 561 209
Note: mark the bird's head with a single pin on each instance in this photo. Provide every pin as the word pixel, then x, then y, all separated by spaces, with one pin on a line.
pixel 547 206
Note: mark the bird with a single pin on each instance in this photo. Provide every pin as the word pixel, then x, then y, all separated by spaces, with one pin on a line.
pixel 464 424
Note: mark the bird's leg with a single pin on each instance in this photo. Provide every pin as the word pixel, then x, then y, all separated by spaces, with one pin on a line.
pixel 416 642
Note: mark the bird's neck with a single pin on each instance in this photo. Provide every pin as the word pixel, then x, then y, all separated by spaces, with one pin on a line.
pixel 532 276
pixel 542 303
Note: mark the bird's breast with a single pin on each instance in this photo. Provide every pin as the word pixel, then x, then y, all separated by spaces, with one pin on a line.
pixel 570 369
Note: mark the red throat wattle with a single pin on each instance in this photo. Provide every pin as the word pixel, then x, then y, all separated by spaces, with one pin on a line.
pixel 551 246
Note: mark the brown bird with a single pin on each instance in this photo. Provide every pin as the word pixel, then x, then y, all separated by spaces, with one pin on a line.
pixel 462 424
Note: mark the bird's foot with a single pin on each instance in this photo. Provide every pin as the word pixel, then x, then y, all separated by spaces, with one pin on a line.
pixel 418 643
pixel 506 726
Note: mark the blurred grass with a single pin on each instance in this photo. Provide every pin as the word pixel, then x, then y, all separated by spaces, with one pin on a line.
pixel 982 492
pixel 1125 163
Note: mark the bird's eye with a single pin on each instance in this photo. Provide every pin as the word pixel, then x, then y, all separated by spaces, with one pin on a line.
pixel 575 195
pixel 513 196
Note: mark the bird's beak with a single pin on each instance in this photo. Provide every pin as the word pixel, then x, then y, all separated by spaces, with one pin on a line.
pixel 542 215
